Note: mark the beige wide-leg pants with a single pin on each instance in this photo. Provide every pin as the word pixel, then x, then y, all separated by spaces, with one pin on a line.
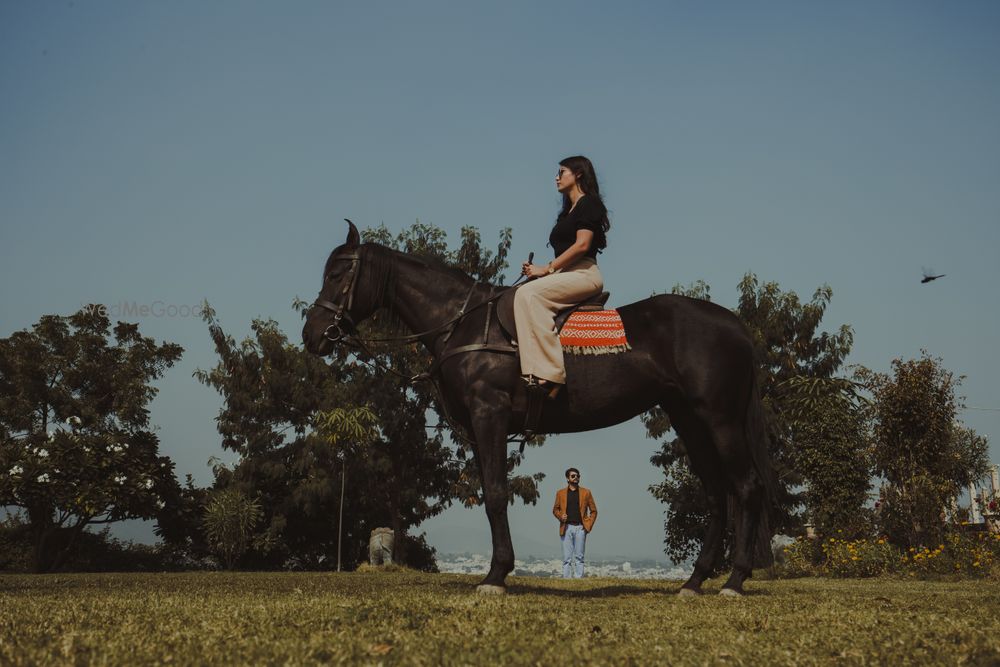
pixel 535 307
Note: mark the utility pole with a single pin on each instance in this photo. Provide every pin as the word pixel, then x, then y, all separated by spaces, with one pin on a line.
pixel 340 519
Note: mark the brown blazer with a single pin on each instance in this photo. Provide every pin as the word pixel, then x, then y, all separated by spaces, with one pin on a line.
pixel 586 503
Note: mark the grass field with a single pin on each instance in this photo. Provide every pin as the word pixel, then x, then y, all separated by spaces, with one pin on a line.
pixel 411 618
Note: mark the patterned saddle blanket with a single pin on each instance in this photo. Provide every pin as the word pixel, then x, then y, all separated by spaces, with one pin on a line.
pixel 594 332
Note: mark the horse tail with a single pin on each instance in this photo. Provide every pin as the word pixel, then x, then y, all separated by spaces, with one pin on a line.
pixel 757 441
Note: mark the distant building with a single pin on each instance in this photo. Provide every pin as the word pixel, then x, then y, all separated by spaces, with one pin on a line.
pixel 984 505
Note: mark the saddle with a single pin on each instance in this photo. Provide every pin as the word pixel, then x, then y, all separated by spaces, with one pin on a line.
pixel 505 311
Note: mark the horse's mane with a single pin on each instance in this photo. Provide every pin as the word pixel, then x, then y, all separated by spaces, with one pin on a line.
pixel 435 263
pixel 383 266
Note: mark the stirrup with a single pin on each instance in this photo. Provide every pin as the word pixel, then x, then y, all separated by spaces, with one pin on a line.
pixel 536 396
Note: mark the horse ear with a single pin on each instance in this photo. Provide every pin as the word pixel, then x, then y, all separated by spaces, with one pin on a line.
pixel 353 237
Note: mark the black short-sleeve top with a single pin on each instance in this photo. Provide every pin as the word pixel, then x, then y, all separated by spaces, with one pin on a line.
pixel 589 213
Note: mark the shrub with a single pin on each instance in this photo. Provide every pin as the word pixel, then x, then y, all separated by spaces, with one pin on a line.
pixel 230 520
pixel 963 554
pixel 419 555
pixel 91 552
pixel 799 559
pixel 859 558
pixel 16 548
pixel 970 554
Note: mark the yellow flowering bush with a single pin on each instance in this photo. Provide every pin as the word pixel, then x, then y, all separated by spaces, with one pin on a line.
pixel 859 558
pixel 927 560
pixel 974 554
pixel 799 558
pixel 959 553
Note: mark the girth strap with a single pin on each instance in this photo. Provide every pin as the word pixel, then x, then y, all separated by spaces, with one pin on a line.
pixel 462 349
pixel 461 313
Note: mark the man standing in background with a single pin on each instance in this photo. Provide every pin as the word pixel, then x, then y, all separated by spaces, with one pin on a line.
pixel 576 511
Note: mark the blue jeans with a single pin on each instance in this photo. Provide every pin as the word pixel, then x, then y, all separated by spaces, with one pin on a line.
pixel 573 543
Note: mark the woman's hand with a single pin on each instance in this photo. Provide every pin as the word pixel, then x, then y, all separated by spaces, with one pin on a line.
pixel 584 239
pixel 533 270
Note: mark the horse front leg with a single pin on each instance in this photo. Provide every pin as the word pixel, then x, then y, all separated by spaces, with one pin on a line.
pixel 489 423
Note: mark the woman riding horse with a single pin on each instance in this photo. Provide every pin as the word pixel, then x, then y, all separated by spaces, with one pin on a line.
pixel 576 238
pixel 693 358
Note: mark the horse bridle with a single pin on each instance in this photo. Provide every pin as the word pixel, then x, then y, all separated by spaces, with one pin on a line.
pixel 340 310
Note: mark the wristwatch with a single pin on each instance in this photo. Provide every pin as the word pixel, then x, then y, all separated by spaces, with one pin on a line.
pixel 549 270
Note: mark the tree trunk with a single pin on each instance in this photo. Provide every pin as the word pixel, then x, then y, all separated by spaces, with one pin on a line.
pixel 42 531
pixel 63 554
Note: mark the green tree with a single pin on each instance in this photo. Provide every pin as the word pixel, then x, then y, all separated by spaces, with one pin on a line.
pixel 180 524
pixel 272 391
pixel 789 349
pixel 349 432
pixel 793 355
pixel 828 436
pixel 231 518
pixel 76 447
pixel 925 456
pixel 687 512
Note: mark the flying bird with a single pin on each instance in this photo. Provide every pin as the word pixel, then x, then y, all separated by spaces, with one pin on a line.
pixel 928 276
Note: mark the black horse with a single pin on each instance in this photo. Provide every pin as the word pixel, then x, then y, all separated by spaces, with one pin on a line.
pixel 692 357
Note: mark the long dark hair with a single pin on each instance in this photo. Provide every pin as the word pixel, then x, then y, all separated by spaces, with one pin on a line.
pixel 586 178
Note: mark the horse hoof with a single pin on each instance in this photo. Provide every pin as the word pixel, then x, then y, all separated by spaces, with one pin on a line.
pixel 730 593
pixel 488 589
pixel 688 593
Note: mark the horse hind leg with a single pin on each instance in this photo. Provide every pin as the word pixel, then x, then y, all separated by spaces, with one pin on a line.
pixel 700 454
pixel 749 496
pixel 712 546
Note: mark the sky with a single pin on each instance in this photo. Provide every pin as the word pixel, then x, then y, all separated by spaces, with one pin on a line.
pixel 159 154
